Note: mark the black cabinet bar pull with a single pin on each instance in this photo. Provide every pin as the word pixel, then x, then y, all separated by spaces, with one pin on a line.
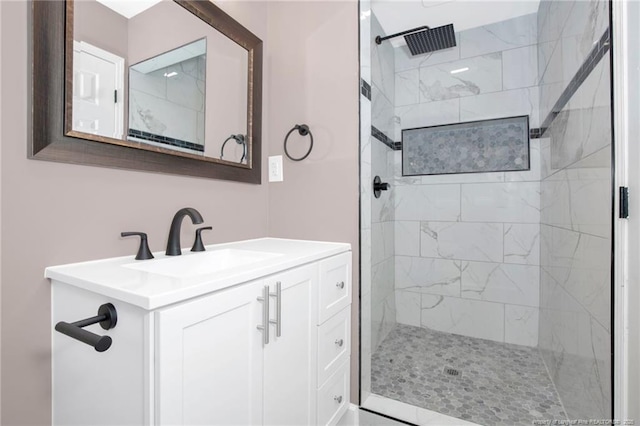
pixel 107 317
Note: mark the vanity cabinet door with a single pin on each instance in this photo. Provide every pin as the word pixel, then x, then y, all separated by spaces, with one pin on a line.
pixel 290 360
pixel 209 360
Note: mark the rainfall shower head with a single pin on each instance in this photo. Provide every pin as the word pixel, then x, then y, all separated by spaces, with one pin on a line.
pixel 424 39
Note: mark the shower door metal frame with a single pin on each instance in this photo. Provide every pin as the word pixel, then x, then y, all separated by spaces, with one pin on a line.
pixel 625 268
pixel 622 268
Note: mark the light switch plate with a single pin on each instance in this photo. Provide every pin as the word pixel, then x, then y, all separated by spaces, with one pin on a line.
pixel 275 169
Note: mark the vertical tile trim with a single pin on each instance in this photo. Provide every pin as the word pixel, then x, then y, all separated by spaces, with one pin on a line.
pixel 382 138
pixel 597 53
pixel 365 88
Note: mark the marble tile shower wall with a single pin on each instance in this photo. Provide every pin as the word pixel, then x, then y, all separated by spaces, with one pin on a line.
pixel 383 314
pixel 500 80
pixel 170 106
pixel 383 305
pixel 382 81
pixel 575 288
pixel 467 245
pixel 467 253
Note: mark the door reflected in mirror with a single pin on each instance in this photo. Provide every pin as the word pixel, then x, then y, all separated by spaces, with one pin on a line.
pixel 158 78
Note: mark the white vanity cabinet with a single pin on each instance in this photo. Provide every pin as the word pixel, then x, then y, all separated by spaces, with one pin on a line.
pixel 334 338
pixel 207 360
pixel 214 368
pixel 210 360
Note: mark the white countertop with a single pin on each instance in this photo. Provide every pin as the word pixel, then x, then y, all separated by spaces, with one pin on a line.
pixel 111 278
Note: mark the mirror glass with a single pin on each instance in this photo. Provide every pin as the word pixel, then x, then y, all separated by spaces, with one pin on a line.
pixel 166 98
pixel 151 75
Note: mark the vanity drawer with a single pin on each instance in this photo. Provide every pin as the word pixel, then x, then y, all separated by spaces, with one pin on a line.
pixel 333 396
pixel 334 344
pixel 335 285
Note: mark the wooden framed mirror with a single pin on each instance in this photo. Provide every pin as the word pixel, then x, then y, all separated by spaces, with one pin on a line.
pixel 184 76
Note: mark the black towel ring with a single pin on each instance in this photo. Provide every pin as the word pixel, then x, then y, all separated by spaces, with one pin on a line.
pixel 240 140
pixel 303 130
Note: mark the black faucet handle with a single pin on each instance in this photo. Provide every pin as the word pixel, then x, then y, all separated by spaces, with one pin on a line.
pixel 143 252
pixel 197 243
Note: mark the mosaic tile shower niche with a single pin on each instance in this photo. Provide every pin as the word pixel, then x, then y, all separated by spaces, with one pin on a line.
pixel 497 145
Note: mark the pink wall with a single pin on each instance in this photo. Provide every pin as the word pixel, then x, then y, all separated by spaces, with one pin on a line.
pixel 314 75
pixel 100 26
pixel 58 213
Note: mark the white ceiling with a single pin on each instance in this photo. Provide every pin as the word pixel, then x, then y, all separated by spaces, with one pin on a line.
pixel 400 15
pixel 129 8
pixel 172 57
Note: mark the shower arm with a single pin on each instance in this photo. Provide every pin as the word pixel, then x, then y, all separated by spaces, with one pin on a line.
pixel 379 39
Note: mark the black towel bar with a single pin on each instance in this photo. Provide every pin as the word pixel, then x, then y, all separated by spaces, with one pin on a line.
pixel 107 317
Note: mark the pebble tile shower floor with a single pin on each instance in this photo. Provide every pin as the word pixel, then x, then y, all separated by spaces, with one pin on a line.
pixel 496 384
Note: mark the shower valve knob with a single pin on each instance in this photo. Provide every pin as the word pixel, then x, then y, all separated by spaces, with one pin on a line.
pixel 379 186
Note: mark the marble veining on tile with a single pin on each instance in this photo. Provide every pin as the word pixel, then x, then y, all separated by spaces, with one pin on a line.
pixel 584 125
pixel 574 333
pixel 367 146
pixel 466 77
pixel 522 244
pixel 407 235
pixel 586 23
pixel 500 36
pixel 170 106
pixel 482 241
pixel 382 81
pixel 433 276
pixel 507 103
pixel 567 196
pixel 405 60
pixel 406 87
pixel 427 202
pixel 496 384
pixel 517 202
pixel 466 317
pixel 161 117
pixel 427 114
pixel 382 61
pixel 520 67
pixel 381 111
pixel 576 349
pixel 521 325
pixel 501 282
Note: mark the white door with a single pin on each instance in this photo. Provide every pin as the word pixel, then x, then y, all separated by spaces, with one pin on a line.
pixel 98 91
pixel 290 376
pixel 209 360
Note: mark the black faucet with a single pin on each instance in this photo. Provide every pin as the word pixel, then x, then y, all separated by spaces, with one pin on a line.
pixel 173 245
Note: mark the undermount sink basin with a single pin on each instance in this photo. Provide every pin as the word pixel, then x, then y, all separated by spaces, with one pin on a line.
pixel 203 263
